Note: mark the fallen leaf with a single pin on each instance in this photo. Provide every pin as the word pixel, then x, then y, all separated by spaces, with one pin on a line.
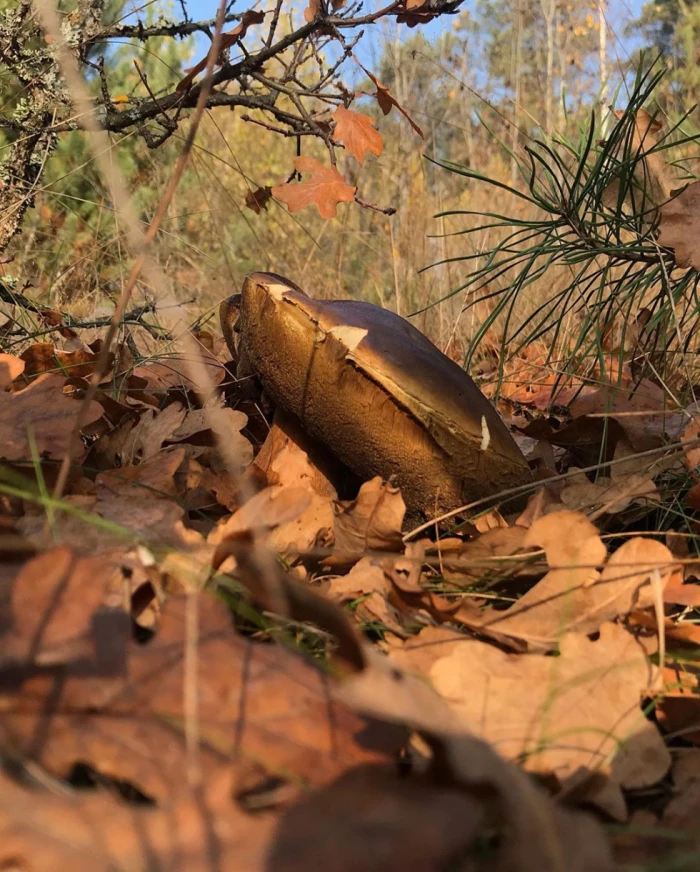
pixel 612 495
pixel 10 368
pixel 286 459
pixel 45 357
pixel 577 713
pixel 42 416
pixel 370 522
pixel 574 596
pixel 357 133
pixel 475 558
pixel 536 836
pixel 55 601
pixel 131 443
pixel 326 188
pixel 97 830
pixel 268 509
pixel 367 580
pixel 255 702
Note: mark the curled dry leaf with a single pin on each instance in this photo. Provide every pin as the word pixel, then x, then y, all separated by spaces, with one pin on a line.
pixel 387 100
pixel 357 133
pixel 325 188
pixel 40 416
pixel 258 199
pixel 370 522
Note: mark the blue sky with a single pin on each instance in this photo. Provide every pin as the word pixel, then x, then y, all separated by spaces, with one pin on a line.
pixel 619 13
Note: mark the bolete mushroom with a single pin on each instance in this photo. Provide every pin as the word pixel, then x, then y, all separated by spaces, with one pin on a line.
pixel 375 391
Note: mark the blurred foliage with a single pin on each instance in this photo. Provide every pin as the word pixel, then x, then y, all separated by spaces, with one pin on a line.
pixel 671 30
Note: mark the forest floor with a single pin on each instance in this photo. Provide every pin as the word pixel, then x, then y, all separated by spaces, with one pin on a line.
pixel 210 661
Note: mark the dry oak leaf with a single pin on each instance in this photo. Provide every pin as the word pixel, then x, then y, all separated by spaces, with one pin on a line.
pixel 45 357
pixel 284 461
pixel 312 10
pixel 49 831
pixel 537 833
pixel 630 407
pixel 614 495
pixel 387 100
pixel 556 603
pixel 475 558
pixel 131 443
pixel 10 368
pixel 55 602
pixel 258 199
pixel 367 580
pixel 575 596
pixel 255 702
pixel 228 39
pixel 272 507
pixel 42 416
pixel 680 226
pixel 172 371
pixel 326 188
pixel 566 715
pixel 370 522
pixel 357 133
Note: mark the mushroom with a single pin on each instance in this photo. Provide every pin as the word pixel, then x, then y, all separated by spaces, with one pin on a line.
pixel 375 391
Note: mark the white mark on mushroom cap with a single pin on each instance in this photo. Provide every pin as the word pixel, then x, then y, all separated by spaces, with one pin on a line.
pixel 485 434
pixel 277 291
pixel 349 336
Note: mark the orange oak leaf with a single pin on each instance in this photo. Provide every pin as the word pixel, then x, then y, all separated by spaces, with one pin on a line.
pixel 326 188
pixel 248 19
pixel 357 133
pixel 387 100
pixel 312 10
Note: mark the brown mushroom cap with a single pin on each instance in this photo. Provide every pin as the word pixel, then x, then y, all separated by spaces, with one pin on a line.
pixel 378 393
